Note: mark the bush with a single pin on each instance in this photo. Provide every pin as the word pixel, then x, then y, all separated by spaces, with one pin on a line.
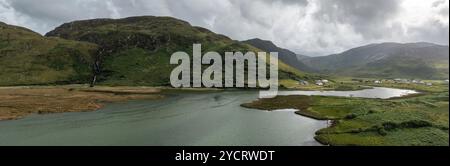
pixel 379 129
pixel 372 111
pixel 416 124
pixel 390 125
pixel 351 116
pixel 382 132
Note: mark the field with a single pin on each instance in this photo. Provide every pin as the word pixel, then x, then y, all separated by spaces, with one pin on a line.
pixel 335 86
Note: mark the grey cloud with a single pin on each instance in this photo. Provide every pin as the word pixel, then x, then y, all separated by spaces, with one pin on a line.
pixel 315 27
pixel 438 3
pixel 368 17
pixel 435 32
pixel 288 2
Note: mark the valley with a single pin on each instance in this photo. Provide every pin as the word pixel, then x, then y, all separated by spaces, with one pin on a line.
pixel 112 76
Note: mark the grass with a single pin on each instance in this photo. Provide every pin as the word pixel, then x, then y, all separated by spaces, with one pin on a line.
pixel 137 67
pixel 294 85
pixel 438 85
pixel 27 58
pixel 415 120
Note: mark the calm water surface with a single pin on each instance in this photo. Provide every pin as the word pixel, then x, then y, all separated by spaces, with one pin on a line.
pixel 181 119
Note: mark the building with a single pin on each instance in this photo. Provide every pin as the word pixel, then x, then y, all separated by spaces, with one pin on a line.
pixel 302 82
pixel 319 83
pixel 403 81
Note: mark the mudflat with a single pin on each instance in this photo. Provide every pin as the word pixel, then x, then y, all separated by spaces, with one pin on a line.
pixel 18 102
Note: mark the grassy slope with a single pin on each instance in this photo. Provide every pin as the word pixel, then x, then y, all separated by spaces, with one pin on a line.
pixel 27 58
pixel 416 120
pixel 136 51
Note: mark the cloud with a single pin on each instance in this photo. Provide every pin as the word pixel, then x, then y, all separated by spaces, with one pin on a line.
pixel 368 18
pixel 313 27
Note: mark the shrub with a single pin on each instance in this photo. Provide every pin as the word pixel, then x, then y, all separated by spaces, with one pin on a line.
pixel 390 125
pixel 372 111
pixel 351 116
pixel 416 124
pixel 382 132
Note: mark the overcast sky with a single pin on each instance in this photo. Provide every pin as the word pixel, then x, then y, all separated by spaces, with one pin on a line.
pixel 311 27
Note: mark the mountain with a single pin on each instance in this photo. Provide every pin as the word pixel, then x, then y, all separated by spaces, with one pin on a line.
pixel 137 50
pixel 27 58
pixel 300 57
pixel 387 60
pixel 284 55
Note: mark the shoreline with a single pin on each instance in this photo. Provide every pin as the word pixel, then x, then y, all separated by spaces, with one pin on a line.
pixel 94 97
pixel 19 102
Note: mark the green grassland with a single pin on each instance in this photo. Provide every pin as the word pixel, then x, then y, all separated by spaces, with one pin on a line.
pixel 418 120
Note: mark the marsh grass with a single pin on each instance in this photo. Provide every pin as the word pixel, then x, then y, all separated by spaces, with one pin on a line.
pixel 413 120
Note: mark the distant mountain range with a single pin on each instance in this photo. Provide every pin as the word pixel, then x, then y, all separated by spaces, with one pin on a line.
pixel 284 55
pixel 387 60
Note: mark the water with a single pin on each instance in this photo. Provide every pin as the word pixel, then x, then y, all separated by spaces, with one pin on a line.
pixel 377 92
pixel 181 119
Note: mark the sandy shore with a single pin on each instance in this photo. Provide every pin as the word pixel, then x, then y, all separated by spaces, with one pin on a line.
pixel 18 102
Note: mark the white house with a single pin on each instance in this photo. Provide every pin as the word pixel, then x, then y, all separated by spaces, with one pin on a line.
pixel 319 83
pixel 302 82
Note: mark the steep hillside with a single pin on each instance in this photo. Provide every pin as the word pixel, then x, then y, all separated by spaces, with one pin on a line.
pixel 27 58
pixel 136 50
pixel 388 60
pixel 285 55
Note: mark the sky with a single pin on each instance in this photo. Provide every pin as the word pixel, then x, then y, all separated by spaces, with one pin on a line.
pixel 309 27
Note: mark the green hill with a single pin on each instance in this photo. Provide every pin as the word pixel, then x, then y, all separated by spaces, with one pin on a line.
pixel 27 58
pixel 136 50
